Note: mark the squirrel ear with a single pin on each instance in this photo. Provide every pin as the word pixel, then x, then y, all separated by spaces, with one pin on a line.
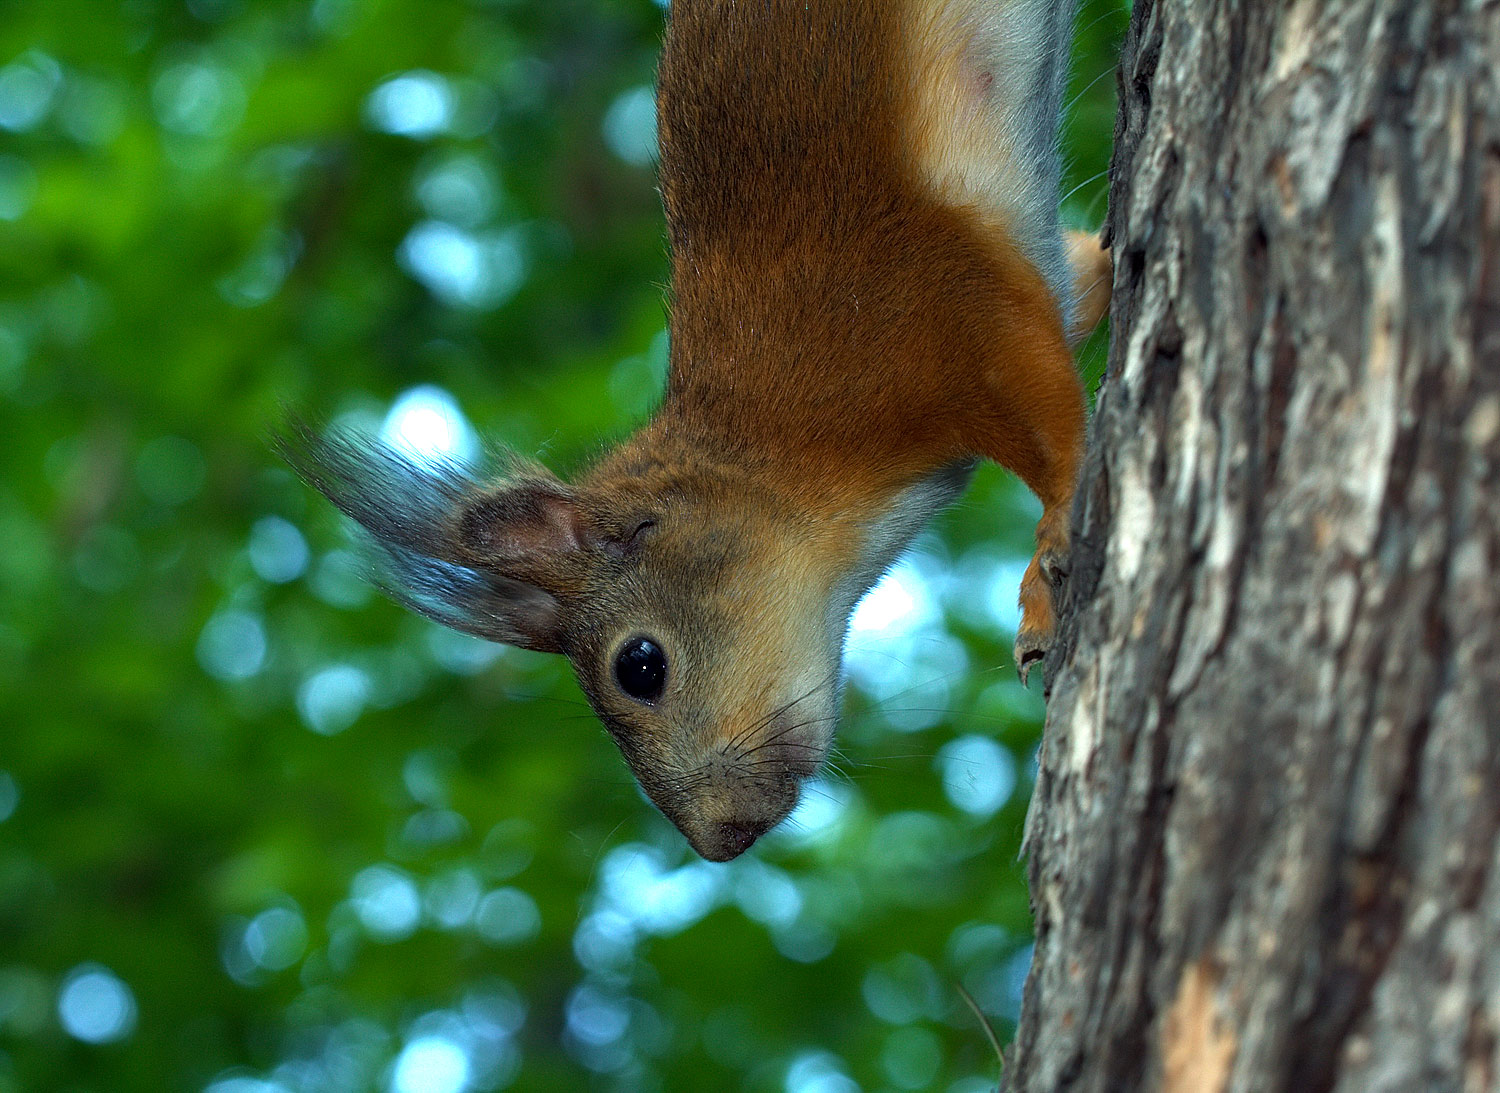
pixel 517 521
pixel 491 607
pixel 490 561
pixel 529 530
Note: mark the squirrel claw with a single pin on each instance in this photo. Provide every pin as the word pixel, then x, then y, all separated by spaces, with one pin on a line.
pixel 1054 566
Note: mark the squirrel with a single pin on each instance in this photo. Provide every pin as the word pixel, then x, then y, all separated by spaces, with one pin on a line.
pixel 870 291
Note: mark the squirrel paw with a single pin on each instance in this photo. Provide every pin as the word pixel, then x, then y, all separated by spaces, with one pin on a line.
pixel 1039 590
pixel 1031 647
pixel 1054 566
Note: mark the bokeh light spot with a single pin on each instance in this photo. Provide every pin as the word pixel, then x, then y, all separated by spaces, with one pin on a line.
pixel 464 269
pixel 433 827
pixel 819 814
pixel 91 111
pixel 386 901
pixel 13 353
pixel 818 1072
pixel 767 894
pixel 451 899
pixel 979 774
pixel 276 938
pixel 332 698
pixel 902 990
pixel 106 558
pixel 596 1018
pixel 27 86
pixel 232 645
pixel 998 988
pixel 427 425
pixel 278 552
pixel 416 104
pixel 458 190
pixel 198 98
pixel 448 260
pixel 630 126
pixel 245 1085
pixel 425 776
pixel 635 382
pixel 339 580
pixel 636 883
pixel 260 275
pixel 892 604
pixel 431 1064
pixel 896 625
pixel 461 654
pixel 211 11
pixel 95 1006
pixel 507 916
pixel 605 940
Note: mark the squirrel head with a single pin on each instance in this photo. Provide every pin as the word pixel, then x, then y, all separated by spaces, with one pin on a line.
pixel 703 616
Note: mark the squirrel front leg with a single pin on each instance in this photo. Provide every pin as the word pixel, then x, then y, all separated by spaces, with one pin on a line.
pixel 1042 442
pixel 1032 422
pixel 1040 434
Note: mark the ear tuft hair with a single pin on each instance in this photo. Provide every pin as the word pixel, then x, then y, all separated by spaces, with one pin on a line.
pixel 415 517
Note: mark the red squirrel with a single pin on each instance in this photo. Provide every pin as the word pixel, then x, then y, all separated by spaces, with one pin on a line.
pixel 870 291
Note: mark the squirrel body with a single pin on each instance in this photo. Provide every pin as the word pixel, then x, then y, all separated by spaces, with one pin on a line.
pixel 870 292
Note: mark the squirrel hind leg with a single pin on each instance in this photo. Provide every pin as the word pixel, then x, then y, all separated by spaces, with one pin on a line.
pixel 1093 278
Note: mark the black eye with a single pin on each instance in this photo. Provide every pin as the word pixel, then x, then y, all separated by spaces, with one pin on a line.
pixel 641 669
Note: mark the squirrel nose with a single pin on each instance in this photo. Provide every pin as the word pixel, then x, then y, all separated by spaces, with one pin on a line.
pixel 733 821
pixel 727 841
pixel 736 838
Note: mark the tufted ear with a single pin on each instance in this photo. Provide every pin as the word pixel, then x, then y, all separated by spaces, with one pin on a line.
pixel 486 605
pixel 492 561
pixel 529 529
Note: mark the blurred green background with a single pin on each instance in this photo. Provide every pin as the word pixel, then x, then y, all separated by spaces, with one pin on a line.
pixel 262 832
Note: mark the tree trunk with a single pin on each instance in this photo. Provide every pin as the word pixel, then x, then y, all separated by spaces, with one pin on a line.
pixel 1264 836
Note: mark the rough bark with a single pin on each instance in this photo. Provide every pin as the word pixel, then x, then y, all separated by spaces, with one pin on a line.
pixel 1263 842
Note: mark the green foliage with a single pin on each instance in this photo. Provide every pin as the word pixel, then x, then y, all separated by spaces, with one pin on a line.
pixel 260 831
